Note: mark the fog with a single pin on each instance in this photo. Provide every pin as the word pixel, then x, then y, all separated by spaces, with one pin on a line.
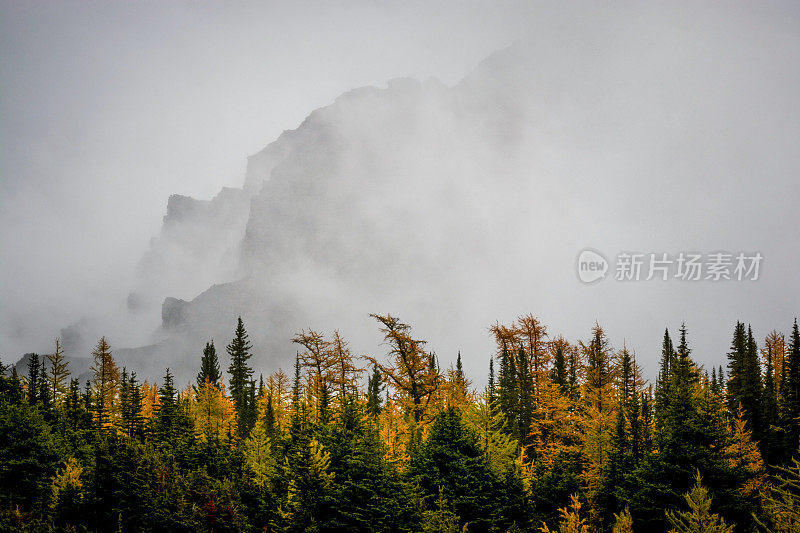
pixel 453 203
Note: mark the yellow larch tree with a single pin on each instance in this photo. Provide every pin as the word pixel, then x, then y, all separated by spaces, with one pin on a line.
pixel 212 411
pixel 149 401
pixel 105 384
pixel 279 394
pixel 344 372
pixel 394 431
pixel 531 335
pixel 774 354
pixel 412 372
pixel 742 454
pixel 318 362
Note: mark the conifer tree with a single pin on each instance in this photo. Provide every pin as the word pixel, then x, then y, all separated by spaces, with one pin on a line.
pixel 509 390
pixel 531 334
pixel 490 388
pixel 317 358
pixel 790 393
pixel 310 480
pixel 782 499
pixel 344 372
pixel 699 518
pixel 460 377
pixel 72 403
pixel 241 375
pixel 770 440
pixel 259 458
pixel 598 375
pixel 413 371
pixel 131 405
pixel 559 373
pixel 270 420
pixel 296 384
pixel 106 381
pixel 665 372
pixel 526 397
pixel 489 424
pixel 209 367
pixel 744 381
pixel 374 388
pixel 450 458
pixel 571 520
pixel 59 372
pixel 35 377
pixel 124 398
pixel 600 414
pixel 167 421
pixel 623 522
pixel 573 364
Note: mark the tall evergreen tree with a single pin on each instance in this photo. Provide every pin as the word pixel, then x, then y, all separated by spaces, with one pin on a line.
pixel 451 459
pixel 490 389
pixel 699 518
pixel 35 377
pixel 59 372
pixel 598 371
pixel 374 388
pixel 744 381
pixel 509 390
pixel 664 372
pixel 241 375
pixel 771 447
pixel 559 372
pixel 132 420
pixel 526 397
pixel 170 418
pixel 209 367
pixel 573 364
pixel 790 394
pixel 105 383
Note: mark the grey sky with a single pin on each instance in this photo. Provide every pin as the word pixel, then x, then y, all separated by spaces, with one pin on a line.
pixel 108 108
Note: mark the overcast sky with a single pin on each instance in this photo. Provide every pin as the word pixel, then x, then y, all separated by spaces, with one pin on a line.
pixel 108 108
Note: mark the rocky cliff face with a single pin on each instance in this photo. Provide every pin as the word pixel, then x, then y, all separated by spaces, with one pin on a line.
pixel 361 209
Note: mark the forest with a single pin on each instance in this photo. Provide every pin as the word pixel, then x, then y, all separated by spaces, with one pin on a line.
pixel 566 437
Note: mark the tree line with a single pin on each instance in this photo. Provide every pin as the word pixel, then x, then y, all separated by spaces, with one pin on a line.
pixel 565 437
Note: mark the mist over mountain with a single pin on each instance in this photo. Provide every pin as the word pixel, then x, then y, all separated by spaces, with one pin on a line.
pixel 455 207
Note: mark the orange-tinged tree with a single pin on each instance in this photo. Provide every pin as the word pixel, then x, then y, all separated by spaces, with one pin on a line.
pixel 277 399
pixel 531 335
pixel 319 364
pixel 394 432
pixel 105 383
pixel 555 426
pixel 742 455
pixel 412 372
pixel 344 372
pixel 773 354
pixel 455 388
pixel 149 400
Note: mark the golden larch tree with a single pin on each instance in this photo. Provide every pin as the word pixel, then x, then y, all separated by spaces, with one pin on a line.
pixel 106 384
